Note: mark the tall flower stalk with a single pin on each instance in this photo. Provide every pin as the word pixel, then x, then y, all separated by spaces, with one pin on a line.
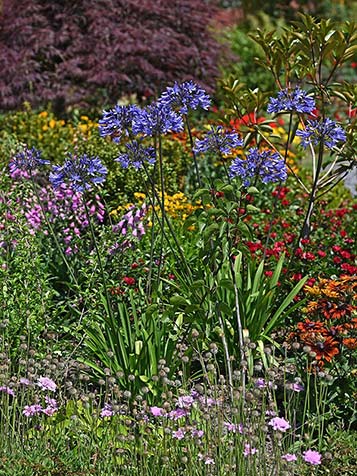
pixel 28 160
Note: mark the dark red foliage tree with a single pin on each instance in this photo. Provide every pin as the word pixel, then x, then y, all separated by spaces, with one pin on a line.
pixel 77 51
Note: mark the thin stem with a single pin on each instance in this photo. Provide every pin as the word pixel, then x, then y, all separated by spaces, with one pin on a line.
pixel 276 196
pixel 107 298
pixel 169 224
pixel 192 151
pixel 282 157
pixel 48 223
pixel 239 326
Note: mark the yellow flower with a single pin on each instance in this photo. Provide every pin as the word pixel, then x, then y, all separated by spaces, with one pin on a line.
pixel 43 114
pixel 52 123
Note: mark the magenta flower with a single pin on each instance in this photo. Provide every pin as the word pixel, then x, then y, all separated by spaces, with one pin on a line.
pixel 279 424
pixel 289 457
pixel 312 457
pixel 46 384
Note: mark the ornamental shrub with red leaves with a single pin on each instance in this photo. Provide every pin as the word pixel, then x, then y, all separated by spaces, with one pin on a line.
pixel 69 52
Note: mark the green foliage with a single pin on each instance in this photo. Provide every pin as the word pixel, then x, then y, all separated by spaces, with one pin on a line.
pixel 79 134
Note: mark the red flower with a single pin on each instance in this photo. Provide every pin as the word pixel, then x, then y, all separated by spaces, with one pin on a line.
pixel 345 254
pixel 321 253
pixel 129 281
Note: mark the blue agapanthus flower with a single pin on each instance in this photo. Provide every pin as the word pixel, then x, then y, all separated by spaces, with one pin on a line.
pixel 136 155
pixel 185 96
pixel 266 164
pixel 219 141
pixel 292 100
pixel 157 119
pixel 81 173
pixel 317 131
pixel 27 160
pixel 118 121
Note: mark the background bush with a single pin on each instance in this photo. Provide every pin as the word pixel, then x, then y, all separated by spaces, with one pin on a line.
pixel 72 52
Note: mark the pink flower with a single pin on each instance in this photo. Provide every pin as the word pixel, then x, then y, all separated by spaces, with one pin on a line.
pixel 206 459
pixel 297 387
pixel 107 411
pixel 248 450
pixel 289 457
pixel 197 433
pixel 156 411
pixel 178 413
pixel 7 390
pixel 46 384
pixel 185 401
pixel 232 427
pixel 32 410
pixel 179 434
pixel 279 424
pixel 312 457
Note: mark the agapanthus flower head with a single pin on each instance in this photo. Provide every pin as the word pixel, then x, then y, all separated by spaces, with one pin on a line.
pixel 291 100
pixel 118 121
pixel 324 130
pixel 312 457
pixel 27 160
pixel 136 155
pixel 218 141
pixel 185 96
pixel 157 119
pixel 266 164
pixel 81 172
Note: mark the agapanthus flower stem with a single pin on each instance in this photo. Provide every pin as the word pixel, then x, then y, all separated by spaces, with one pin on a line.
pixel 192 150
pixel 48 223
pixel 100 262
pixel 275 202
pixel 154 198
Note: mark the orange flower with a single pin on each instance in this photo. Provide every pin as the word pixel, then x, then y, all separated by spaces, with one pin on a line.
pixel 350 343
pixel 337 310
pixel 325 348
